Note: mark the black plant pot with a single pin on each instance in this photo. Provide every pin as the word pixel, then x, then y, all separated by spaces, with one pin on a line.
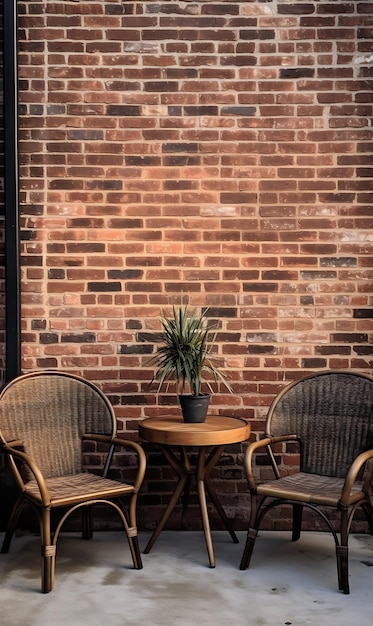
pixel 194 408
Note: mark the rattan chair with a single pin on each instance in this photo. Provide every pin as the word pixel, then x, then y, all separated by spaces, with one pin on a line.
pixel 330 415
pixel 44 419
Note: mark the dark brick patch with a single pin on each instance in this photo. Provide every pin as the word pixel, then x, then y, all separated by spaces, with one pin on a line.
pixel 56 274
pixel 363 350
pixel 297 8
pixel 136 399
pixel 142 161
pixel 49 363
pixel 78 338
pixel 260 286
pixel 220 312
pixel 102 286
pixel 123 110
pixel 133 324
pixel 328 350
pixel 297 72
pixel 338 261
pixel 201 110
pixel 46 338
pixel 180 147
pixel 135 349
pixel 314 363
pixel 350 337
pixel 126 223
pixel 306 300
pixel 125 274
pixel 255 349
pixel 363 313
pixel 38 324
pixel 261 34
pixel 86 135
pixel 238 110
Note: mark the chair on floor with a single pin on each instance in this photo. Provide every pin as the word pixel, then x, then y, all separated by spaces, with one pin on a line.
pixel 330 415
pixel 48 421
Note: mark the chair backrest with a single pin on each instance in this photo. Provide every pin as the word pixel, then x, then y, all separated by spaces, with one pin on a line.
pixel 49 412
pixel 331 413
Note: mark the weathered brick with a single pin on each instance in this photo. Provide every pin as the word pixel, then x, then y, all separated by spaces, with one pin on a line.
pixel 104 286
pixel 78 338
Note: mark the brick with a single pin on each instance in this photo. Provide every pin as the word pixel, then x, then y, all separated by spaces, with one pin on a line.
pixel 328 350
pixel 126 110
pixel 298 8
pixel 260 287
pixel 349 337
pixel 78 338
pixel 363 313
pixel 104 286
pixel 238 110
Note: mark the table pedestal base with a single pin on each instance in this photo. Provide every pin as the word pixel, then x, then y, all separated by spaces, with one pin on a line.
pixel 201 472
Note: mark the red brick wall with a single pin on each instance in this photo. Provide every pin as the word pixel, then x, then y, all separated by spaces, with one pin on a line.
pixel 211 151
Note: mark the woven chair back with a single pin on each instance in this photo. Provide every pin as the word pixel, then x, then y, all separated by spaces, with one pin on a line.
pixel 331 412
pixel 49 412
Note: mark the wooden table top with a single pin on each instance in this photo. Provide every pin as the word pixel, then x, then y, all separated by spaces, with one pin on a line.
pixel 215 431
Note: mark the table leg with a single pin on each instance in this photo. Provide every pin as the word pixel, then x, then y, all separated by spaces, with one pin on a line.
pixel 200 478
pixel 185 500
pixel 210 463
pixel 183 473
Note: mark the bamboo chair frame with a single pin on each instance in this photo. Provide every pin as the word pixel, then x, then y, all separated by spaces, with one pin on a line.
pixel 330 415
pixel 44 419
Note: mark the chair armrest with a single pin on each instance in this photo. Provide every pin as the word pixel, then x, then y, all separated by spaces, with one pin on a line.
pixel 33 467
pixel 114 442
pixel 253 447
pixel 352 475
pixel 16 443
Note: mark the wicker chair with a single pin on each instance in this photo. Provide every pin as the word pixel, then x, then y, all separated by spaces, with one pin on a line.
pixel 330 415
pixel 44 418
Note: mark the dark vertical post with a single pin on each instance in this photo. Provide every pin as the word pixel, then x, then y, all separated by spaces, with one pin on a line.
pixel 11 193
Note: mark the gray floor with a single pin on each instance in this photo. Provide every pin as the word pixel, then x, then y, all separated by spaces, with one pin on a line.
pixel 287 583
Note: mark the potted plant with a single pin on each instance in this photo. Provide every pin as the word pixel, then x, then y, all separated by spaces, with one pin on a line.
pixel 185 357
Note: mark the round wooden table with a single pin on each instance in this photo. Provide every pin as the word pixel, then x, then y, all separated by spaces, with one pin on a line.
pixel 215 433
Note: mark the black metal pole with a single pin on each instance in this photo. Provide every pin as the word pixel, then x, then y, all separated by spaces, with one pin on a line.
pixel 11 193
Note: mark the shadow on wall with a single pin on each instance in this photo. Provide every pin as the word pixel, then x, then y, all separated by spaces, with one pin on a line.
pixel 8 492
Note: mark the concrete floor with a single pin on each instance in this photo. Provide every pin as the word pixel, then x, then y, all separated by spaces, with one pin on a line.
pixel 287 583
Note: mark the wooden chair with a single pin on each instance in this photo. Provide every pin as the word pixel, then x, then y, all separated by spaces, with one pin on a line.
pixel 330 415
pixel 44 419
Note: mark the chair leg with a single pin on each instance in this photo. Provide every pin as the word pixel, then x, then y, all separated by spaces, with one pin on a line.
pixel 130 528
pixel 342 555
pixel 135 552
pixel 12 524
pixel 249 547
pixel 297 521
pixel 87 526
pixel 251 533
pixel 48 562
pixel 48 554
pixel 342 566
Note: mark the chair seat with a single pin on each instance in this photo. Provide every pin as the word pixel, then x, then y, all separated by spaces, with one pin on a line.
pixel 65 490
pixel 311 488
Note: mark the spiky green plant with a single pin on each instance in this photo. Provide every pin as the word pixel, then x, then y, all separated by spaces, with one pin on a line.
pixel 186 352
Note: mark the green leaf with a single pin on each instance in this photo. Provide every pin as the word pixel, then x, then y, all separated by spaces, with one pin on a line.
pixel 185 352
